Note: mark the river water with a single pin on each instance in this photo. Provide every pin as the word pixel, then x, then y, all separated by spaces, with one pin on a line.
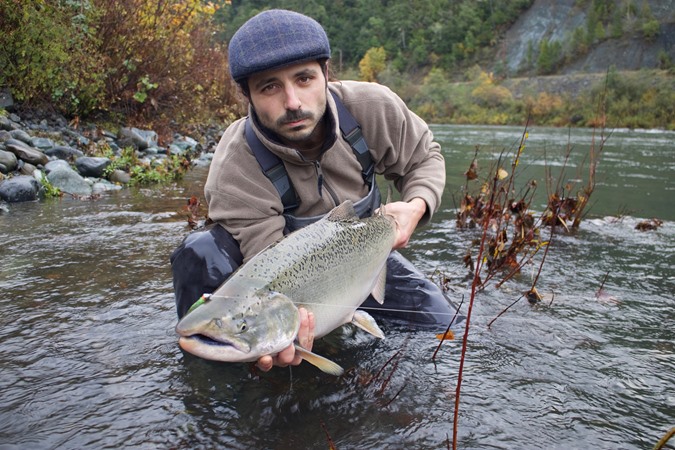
pixel 89 357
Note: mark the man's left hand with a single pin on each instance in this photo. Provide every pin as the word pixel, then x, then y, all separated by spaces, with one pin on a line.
pixel 407 215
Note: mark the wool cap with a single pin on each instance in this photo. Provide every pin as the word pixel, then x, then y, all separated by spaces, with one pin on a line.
pixel 275 38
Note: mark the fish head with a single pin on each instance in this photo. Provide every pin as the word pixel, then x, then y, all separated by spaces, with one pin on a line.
pixel 240 329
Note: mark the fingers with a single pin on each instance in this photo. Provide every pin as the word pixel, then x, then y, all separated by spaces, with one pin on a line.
pixel 306 332
pixel 287 356
pixel 265 363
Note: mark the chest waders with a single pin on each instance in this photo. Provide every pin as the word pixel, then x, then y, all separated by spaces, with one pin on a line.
pixel 206 258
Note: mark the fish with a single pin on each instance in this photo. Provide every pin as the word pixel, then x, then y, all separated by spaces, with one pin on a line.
pixel 328 267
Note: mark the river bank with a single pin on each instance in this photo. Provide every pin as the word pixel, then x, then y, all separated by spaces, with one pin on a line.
pixel 45 155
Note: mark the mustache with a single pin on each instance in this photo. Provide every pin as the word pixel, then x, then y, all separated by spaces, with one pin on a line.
pixel 294 116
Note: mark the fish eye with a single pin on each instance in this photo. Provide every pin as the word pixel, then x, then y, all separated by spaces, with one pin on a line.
pixel 243 326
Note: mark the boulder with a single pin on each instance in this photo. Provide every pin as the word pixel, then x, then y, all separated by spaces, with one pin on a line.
pixel 8 160
pixel 140 139
pixel 92 166
pixel 22 188
pixel 25 152
pixel 69 181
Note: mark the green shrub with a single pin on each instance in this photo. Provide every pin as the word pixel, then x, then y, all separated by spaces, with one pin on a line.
pixel 650 29
pixel 47 52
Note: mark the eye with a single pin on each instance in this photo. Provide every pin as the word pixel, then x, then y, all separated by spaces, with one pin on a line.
pixel 305 80
pixel 243 326
pixel 269 89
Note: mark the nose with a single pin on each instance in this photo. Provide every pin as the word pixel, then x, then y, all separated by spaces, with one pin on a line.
pixel 292 101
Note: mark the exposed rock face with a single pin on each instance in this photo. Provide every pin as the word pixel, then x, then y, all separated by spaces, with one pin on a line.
pixel 555 21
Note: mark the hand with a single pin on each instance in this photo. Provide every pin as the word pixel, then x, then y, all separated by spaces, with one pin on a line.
pixel 407 215
pixel 287 356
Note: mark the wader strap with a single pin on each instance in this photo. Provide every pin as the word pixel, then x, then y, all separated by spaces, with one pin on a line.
pixel 274 169
pixel 351 132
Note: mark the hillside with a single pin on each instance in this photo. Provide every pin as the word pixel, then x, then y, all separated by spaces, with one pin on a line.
pixel 629 35
pixel 166 62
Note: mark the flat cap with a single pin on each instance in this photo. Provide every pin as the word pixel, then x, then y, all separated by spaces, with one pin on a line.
pixel 275 38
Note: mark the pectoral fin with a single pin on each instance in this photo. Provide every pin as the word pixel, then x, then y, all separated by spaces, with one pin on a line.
pixel 378 290
pixel 326 365
pixel 366 322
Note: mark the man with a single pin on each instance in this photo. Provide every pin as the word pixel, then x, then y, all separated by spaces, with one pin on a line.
pixel 279 59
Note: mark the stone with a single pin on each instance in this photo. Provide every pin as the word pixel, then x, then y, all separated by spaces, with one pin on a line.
pixel 21 135
pixel 52 165
pixel 64 152
pixel 69 181
pixel 6 100
pixel 141 139
pixel 8 160
pixel 7 125
pixel 120 176
pixel 22 188
pixel 25 152
pixel 92 166
pixel 27 169
pixel 41 143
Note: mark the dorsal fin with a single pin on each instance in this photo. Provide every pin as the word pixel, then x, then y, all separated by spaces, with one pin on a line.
pixel 342 212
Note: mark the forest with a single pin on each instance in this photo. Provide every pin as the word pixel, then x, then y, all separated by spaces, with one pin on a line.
pixel 151 61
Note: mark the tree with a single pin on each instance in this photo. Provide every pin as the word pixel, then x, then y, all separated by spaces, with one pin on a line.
pixel 372 63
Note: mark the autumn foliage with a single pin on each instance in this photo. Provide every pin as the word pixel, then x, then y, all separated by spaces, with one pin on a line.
pixel 139 58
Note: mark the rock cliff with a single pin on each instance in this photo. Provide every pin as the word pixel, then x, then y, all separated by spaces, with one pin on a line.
pixel 557 21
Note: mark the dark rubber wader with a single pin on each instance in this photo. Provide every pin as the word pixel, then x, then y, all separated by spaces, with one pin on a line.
pixel 206 258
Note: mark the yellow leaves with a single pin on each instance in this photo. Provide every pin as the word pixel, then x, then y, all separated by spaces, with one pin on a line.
pixel 447 336
pixel 502 174
pixel 372 63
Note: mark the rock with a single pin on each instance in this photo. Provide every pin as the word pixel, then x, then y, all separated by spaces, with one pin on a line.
pixel 41 143
pixel 184 144
pixel 120 176
pixel 151 151
pixel 104 186
pixel 21 135
pixel 8 160
pixel 141 139
pixel 27 169
pixel 4 135
pixel 64 152
pixel 69 181
pixel 7 124
pixel 26 153
pixel 52 165
pixel 203 161
pixel 20 189
pixel 6 100
pixel 77 138
pixel 91 166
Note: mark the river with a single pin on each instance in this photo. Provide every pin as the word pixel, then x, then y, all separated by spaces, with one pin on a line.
pixel 89 357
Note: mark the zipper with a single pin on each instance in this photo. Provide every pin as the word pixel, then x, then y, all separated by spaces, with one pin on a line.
pixel 321 184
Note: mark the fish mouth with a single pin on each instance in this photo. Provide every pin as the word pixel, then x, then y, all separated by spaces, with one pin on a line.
pixel 205 340
pixel 208 348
